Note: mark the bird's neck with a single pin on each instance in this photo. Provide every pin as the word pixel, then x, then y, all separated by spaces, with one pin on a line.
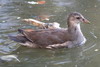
pixel 73 28
pixel 76 33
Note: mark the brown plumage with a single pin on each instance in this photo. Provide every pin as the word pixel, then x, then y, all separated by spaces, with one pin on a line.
pixel 54 38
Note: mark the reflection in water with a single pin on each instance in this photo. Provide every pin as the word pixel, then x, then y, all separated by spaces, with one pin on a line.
pixel 11 13
pixel 50 58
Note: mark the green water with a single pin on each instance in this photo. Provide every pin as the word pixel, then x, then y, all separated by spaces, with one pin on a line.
pixel 11 13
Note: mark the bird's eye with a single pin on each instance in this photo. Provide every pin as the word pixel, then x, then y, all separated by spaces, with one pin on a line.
pixel 78 18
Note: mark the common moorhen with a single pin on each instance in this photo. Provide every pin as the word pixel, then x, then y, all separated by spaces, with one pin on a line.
pixel 54 38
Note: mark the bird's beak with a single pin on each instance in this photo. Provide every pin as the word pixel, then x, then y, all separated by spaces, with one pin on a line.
pixel 86 21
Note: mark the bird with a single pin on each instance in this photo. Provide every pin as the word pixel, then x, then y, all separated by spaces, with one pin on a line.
pixel 54 38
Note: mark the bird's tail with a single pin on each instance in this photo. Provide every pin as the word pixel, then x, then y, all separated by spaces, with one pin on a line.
pixel 20 39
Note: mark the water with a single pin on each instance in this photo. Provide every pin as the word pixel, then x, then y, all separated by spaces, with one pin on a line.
pixel 11 13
